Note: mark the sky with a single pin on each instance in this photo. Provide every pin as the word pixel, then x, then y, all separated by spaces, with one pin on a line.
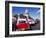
pixel 33 11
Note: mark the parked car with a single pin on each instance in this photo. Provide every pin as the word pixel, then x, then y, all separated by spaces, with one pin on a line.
pixel 22 24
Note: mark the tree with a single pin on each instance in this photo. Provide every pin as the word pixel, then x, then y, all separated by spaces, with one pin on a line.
pixel 16 15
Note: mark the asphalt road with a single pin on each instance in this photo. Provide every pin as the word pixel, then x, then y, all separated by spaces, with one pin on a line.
pixel 36 26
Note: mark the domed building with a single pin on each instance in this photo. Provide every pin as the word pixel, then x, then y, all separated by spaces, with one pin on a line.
pixel 26 13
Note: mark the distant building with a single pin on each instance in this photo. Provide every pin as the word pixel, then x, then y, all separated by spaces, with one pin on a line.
pixel 26 13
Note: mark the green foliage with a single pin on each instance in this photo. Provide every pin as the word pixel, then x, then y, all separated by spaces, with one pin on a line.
pixel 16 15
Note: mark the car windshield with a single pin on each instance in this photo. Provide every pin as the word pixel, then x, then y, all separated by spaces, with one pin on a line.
pixel 22 22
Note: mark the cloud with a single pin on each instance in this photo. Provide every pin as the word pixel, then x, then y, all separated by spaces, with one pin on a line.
pixel 38 11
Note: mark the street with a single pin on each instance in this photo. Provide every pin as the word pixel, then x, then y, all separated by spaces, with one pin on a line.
pixel 36 26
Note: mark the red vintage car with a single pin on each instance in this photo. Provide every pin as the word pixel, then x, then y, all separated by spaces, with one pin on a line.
pixel 22 25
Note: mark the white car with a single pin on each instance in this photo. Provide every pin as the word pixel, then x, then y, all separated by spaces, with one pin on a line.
pixel 31 21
